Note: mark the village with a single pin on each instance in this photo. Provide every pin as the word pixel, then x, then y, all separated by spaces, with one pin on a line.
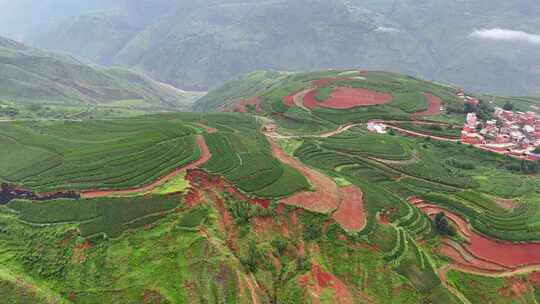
pixel 511 133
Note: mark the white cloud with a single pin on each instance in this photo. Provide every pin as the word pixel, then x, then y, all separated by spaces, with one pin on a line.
pixel 384 29
pixel 505 35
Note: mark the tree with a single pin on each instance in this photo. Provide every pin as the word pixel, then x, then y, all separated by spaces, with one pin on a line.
pixel 251 257
pixel 508 106
pixel 479 127
pixel 312 232
pixel 470 108
pixel 443 226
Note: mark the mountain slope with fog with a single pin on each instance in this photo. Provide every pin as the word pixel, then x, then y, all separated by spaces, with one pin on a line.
pixel 485 46
pixel 29 75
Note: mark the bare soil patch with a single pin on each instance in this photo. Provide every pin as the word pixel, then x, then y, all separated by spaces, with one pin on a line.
pixel 350 214
pixel 326 196
pixel 346 98
pixel 289 99
pixel 209 129
pixel 319 279
pixel 434 108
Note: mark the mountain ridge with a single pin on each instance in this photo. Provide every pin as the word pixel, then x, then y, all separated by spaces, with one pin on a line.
pixel 31 75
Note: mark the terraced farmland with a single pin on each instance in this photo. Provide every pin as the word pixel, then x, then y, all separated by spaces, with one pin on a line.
pixel 97 155
pixel 292 204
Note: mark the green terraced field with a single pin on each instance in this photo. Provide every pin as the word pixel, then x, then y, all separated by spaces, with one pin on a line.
pixel 96 155
pixel 203 239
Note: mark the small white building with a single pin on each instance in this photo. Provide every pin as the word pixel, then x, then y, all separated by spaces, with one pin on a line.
pixel 376 127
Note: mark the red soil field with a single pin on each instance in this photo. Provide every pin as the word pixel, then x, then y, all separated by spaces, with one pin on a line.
pixel 324 199
pixel 319 279
pixel 241 106
pixel 507 254
pixel 346 98
pixel 289 99
pixel 205 156
pixel 350 214
pixel 434 108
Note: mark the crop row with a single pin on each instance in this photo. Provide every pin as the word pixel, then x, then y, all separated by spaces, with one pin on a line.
pixel 134 170
pixel 513 227
pixel 109 216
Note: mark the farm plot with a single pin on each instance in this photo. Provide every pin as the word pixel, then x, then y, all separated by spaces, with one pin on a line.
pixel 365 144
pixel 105 155
pixel 448 131
pixel 343 98
pixel 244 158
pixel 107 216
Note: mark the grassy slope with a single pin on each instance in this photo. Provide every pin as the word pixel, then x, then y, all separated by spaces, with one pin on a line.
pixel 32 76
pixel 243 87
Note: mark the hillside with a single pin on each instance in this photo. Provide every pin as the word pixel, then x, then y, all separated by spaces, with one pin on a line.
pixel 30 75
pixel 198 45
pixel 240 88
pixel 294 202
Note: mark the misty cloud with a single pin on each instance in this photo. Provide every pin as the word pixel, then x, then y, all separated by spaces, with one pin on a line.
pixel 505 35
pixel 384 29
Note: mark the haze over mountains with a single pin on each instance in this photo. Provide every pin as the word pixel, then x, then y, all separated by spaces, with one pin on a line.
pixel 29 75
pixel 486 46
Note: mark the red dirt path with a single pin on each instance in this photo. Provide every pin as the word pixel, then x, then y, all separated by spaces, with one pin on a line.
pixel 510 255
pixel 289 99
pixel 205 156
pixel 347 98
pixel 350 214
pixel 324 199
pixel 209 129
pixel 434 108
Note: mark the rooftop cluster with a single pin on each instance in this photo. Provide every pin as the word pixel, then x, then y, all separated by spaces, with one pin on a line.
pixel 513 133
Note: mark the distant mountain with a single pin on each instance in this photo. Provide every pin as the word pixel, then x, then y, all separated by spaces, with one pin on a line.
pixel 29 75
pixel 483 45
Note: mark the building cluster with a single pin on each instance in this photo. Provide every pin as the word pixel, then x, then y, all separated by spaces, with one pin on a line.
pixel 468 99
pixel 512 133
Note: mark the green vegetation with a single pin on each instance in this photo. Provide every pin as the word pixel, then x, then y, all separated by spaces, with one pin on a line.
pixel 218 243
pixel 108 216
pixel 36 77
pixel 450 131
pixel 243 87
pixel 96 155
pixel 479 289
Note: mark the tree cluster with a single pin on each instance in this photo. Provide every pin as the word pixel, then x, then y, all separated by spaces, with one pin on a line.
pixel 443 226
